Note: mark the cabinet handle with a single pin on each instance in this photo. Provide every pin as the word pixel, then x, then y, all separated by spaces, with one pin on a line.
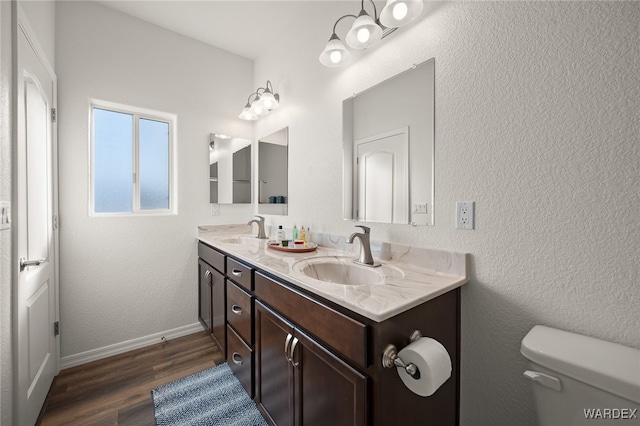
pixel 286 347
pixel 236 273
pixel 293 352
pixel 236 309
pixel 207 276
pixel 237 358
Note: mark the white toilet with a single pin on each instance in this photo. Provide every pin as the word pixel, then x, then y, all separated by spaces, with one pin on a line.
pixel 579 380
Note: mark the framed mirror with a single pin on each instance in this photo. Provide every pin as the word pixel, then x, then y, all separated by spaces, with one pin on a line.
pixel 273 173
pixel 229 170
pixel 388 150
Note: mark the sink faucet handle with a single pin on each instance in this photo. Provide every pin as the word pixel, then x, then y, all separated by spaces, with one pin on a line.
pixel 261 218
pixel 365 229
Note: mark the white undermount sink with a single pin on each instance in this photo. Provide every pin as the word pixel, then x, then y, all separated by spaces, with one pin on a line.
pixel 240 240
pixel 340 271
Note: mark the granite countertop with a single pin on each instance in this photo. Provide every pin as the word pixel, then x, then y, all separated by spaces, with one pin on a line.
pixel 404 284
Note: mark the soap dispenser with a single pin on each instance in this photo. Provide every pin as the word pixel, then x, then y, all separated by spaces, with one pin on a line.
pixel 280 234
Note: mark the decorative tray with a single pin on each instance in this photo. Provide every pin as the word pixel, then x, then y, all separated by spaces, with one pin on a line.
pixel 295 248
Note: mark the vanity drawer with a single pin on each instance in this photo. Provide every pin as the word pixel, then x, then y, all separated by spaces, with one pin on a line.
pixel 346 335
pixel 240 360
pixel 212 256
pixel 240 311
pixel 240 273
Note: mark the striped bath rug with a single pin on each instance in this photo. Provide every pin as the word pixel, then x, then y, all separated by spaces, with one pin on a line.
pixel 210 398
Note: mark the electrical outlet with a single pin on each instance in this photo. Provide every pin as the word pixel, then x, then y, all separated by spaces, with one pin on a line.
pixel 465 214
pixel 215 209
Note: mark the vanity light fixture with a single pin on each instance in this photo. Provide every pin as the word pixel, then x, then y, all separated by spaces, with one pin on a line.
pixel 366 30
pixel 264 101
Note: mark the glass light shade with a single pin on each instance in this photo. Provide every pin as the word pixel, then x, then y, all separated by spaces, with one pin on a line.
pixel 364 32
pixel 247 114
pixel 268 101
pixel 397 13
pixel 258 109
pixel 335 53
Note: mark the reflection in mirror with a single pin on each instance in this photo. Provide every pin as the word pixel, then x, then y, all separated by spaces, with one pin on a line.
pixel 273 173
pixel 388 150
pixel 229 170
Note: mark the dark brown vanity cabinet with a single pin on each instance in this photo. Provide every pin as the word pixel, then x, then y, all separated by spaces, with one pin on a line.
pixel 299 382
pixel 320 364
pixel 308 361
pixel 212 293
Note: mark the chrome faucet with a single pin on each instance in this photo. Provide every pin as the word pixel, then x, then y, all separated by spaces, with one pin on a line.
pixel 365 257
pixel 260 222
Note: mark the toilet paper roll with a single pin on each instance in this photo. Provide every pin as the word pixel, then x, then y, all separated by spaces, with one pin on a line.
pixel 433 362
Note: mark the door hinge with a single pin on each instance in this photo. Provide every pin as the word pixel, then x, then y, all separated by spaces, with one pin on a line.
pixel 56 328
pixel 55 222
pixel 54 115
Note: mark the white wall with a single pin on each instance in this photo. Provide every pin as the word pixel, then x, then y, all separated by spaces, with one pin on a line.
pixel 537 121
pixel 129 277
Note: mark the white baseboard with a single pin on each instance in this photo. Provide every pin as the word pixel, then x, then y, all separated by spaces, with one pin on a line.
pixel 129 345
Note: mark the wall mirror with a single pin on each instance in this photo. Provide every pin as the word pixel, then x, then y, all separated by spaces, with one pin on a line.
pixel 388 150
pixel 273 173
pixel 229 170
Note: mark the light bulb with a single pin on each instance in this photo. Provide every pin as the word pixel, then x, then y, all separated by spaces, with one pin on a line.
pixel 363 35
pixel 267 104
pixel 258 110
pixel 335 56
pixel 400 10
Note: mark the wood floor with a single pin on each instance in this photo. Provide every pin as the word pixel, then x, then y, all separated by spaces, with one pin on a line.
pixel 117 390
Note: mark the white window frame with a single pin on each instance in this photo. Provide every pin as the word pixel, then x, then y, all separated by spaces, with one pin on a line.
pixel 137 113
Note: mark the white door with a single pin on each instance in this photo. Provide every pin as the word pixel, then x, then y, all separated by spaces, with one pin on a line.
pixel 36 362
pixel 383 176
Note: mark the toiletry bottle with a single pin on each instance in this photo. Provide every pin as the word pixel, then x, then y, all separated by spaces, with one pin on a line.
pixel 294 233
pixel 280 234
pixel 309 240
pixel 303 234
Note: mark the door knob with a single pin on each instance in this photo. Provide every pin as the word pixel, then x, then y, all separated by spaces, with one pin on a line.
pixel 24 263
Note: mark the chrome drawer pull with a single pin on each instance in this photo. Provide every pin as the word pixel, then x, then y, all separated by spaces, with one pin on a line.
pixel 293 352
pixel 236 272
pixel 286 347
pixel 236 309
pixel 237 358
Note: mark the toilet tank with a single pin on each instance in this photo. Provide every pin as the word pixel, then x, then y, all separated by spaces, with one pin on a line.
pixel 580 380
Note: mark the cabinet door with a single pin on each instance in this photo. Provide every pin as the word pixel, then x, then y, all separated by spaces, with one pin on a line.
pixel 274 371
pixel 219 310
pixel 327 390
pixel 204 294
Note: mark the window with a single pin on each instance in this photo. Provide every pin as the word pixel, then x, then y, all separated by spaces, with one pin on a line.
pixel 131 160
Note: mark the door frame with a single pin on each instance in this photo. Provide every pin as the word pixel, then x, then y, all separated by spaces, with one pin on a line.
pixel 21 23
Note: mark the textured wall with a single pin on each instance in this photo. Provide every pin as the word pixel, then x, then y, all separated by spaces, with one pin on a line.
pixel 129 277
pixel 537 121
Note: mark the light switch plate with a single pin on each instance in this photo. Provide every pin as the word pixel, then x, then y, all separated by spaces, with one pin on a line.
pixel 215 209
pixel 5 215
pixel 419 207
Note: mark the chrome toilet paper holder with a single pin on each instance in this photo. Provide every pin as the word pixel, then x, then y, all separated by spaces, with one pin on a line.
pixel 391 359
